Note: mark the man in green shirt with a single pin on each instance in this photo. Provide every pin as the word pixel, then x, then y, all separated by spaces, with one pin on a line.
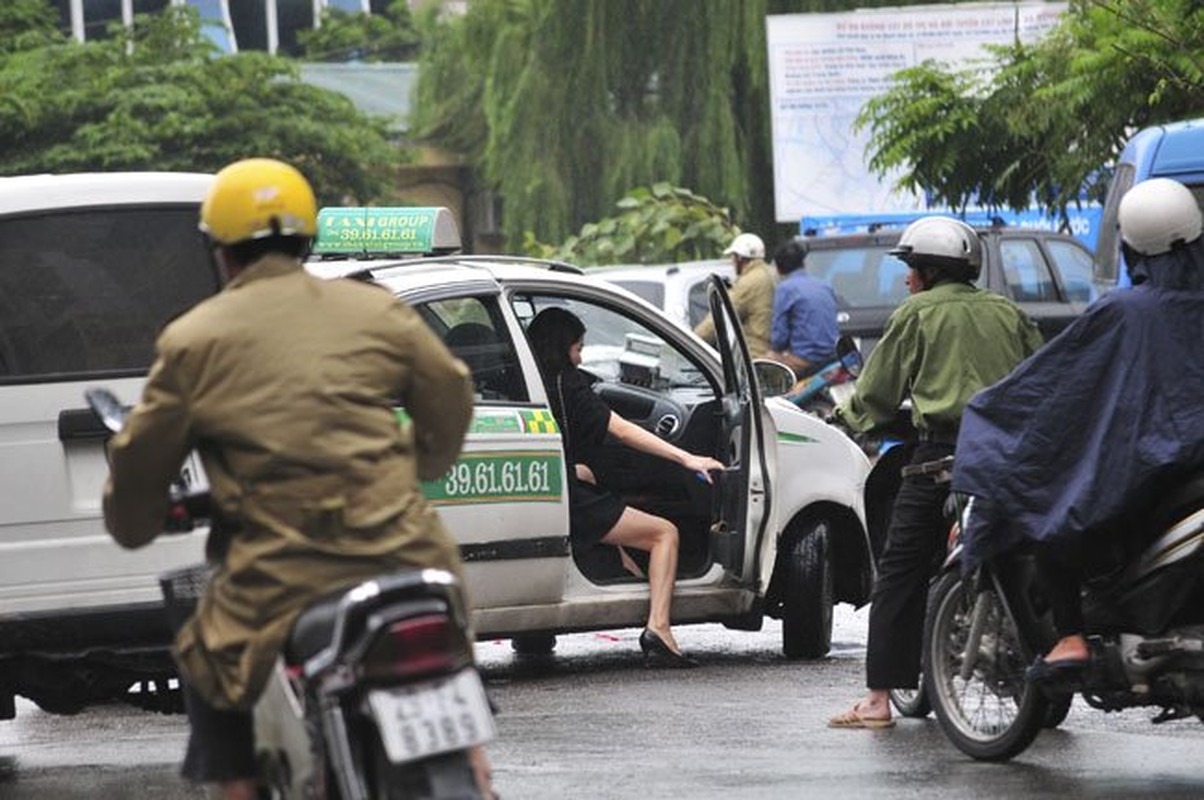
pixel 941 345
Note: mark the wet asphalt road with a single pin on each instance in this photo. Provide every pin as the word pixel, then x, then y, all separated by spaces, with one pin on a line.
pixel 590 722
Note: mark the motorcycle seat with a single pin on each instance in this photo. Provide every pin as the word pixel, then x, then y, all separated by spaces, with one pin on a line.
pixel 313 629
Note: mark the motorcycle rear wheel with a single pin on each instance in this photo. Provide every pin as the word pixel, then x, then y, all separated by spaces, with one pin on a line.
pixel 911 702
pixel 993 715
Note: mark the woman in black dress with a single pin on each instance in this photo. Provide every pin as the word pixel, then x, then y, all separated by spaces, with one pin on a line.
pixel 596 515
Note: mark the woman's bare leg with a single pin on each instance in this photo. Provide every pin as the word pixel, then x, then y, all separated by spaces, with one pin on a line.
pixel 658 536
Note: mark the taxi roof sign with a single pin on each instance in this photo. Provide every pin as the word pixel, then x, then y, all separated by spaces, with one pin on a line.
pixel 361 231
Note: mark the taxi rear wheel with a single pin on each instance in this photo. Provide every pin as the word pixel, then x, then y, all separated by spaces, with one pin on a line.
pixel 807 595
pixel 534 644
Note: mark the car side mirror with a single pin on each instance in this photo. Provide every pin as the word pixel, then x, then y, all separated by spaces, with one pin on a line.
pixel 849 356
pixel 775 379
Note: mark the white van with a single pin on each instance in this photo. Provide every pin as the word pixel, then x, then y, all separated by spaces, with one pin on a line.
pixel 91 267
pixel 680 290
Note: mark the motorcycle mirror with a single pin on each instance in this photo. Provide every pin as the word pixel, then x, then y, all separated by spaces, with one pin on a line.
pixel 849 355
pixel 774 379
pixel 107 407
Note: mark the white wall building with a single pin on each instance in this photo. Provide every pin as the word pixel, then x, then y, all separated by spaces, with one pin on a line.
pixel 250 24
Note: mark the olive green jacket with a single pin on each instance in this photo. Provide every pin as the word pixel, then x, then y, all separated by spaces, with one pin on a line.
pixel 286 384
pixel 752 300
pixel 940 346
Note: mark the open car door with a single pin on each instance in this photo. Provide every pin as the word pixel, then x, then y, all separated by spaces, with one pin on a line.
pixel 742 501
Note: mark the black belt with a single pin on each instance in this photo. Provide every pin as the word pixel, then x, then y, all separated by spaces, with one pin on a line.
pixel 941 470
pixel 938 437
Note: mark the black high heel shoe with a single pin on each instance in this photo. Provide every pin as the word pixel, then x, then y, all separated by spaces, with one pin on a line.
pixel 655 650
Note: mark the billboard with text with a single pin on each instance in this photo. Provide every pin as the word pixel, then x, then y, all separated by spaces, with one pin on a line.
pixel 823 67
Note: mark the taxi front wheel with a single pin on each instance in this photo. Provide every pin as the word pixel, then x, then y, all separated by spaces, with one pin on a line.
pixel 807 595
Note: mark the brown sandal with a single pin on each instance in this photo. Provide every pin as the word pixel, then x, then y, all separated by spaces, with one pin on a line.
pixel 853 719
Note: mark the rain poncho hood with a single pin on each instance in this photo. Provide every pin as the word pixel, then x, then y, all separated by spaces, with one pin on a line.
pixel 1096 422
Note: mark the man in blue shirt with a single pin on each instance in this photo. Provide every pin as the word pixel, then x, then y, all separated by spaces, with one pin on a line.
pixel 804 331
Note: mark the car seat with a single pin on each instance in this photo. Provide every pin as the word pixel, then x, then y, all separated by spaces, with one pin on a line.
pixel 478 346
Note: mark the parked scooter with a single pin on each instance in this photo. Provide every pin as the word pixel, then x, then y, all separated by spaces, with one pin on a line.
pixel 1144 617
pixel 375 694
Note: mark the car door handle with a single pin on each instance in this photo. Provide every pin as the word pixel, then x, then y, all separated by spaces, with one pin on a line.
pixel 81 425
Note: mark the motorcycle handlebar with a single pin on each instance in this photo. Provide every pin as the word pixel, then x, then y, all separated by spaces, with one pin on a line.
pixel 186 509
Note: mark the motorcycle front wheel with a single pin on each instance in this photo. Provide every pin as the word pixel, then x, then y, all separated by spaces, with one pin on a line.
pixel 986 709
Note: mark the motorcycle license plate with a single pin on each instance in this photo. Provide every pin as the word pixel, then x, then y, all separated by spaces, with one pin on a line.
pixel 432 717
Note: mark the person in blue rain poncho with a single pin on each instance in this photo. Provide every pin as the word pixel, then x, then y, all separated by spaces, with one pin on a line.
pixel 1082 435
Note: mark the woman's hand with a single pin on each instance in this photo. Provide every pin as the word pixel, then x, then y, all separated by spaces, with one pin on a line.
pixel 702 466
pixel 585 474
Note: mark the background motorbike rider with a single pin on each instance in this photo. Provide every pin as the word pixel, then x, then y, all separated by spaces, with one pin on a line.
pixel 751 294
pixel 285 385
pixel 805 330
pixel 1081 437
pixel 940 346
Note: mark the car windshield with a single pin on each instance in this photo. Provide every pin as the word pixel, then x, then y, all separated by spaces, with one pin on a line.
pixel 616 345
pixel 862 277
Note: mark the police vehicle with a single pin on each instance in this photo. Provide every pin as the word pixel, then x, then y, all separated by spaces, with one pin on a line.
pixel 782 533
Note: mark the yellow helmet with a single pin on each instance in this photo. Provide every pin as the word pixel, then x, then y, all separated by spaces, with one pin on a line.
pixel 258 197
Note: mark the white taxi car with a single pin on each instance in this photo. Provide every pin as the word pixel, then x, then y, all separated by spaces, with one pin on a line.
pixel 781 534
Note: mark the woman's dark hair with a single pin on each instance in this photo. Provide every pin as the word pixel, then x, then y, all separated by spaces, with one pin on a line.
pixel 552 333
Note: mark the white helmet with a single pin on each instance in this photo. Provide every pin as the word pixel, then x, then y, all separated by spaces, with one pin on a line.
pixel 1157 213
pixel 746 245
pixel 941 242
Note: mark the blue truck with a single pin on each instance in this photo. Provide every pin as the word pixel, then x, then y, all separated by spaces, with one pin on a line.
pixel 1174 150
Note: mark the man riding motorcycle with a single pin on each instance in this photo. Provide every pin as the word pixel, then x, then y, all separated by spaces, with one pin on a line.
pixel 285 385
pixel 941 345
pixel 1074 445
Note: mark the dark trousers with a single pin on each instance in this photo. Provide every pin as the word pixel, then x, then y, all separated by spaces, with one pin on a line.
pixel 915 540
pixel 1060 577
pixel 221 745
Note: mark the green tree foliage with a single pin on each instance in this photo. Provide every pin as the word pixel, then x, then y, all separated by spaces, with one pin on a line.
pixel 159 98
pixel 654 225
pixel 563 110
pixel 1044 121
pixel 562 113
pixel 343 36
pixel 26 24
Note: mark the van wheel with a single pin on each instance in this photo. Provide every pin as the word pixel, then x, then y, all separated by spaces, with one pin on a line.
pixel 807 594
pixel 66 703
